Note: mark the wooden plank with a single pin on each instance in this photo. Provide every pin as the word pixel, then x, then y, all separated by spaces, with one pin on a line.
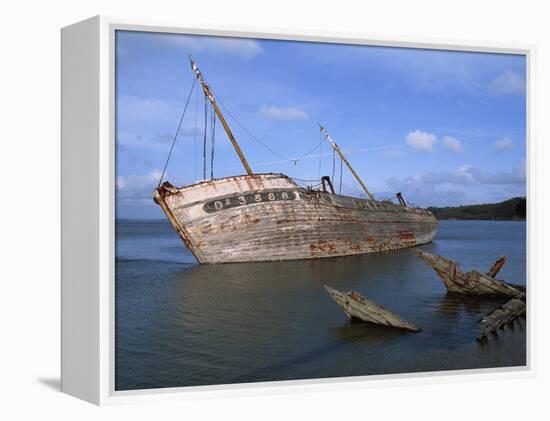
pixel 356 306
pixel 503 315
pixel 497 266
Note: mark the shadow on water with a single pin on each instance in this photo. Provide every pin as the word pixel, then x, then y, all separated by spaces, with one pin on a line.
pixel 367 333
pixel 453 305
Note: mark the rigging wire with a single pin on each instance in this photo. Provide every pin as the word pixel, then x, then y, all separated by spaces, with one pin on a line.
pixel 333 163
pixel 204 138
pixel 195 132
pixel 177 132
pixel 213 147
pixel 307 153
pixel 305 180
pixel 340 188
pixel 320 152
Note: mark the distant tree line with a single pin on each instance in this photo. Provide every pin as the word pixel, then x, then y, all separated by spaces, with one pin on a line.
pixel 515 208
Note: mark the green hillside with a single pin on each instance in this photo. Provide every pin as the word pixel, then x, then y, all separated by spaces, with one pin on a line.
pixel 514 208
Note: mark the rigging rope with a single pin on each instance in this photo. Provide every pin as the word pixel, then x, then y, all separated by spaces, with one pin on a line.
pixel 195 132
pixel 333 163
pixel 320 152
pixel 204 138
pixel 340 188
pixel 213 135
pixel 177 132
pixel 307 153
pixel 305 180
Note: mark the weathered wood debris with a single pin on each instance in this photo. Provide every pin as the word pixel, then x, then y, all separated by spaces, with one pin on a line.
pixel 480 284
pixel 502 316
pixel 358 307
pixel 497 266
pixel 471 283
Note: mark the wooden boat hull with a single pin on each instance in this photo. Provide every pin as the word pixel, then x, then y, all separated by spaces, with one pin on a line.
pixel 268 217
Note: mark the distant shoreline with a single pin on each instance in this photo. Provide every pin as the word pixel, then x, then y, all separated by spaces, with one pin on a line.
pixel 514 209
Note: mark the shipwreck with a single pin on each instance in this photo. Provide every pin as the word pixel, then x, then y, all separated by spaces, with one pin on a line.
pixel 358 307
pixel 472 282
pixel 270 217
pixel 475 283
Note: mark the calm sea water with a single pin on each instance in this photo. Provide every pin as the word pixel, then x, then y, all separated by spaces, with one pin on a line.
pixel 181 324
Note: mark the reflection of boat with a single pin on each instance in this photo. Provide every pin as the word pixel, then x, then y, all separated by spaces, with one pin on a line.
pixel 269 217
pixel 358 307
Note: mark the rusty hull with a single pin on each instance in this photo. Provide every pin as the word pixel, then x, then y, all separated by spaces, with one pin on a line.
pixel 358 307
pixel 268 217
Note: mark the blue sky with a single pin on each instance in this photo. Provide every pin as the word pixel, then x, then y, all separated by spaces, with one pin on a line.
pixel 443 127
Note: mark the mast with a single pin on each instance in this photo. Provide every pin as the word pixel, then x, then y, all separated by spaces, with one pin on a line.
pixel 210 96
pixel 337 149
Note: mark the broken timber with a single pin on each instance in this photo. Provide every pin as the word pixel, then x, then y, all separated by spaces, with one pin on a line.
pixel 471 283
pixel 497 266
pixel 358 307
pixel 503 315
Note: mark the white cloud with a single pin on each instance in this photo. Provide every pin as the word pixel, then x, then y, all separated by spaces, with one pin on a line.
pixel 421 141
pixel 452 144
pixel 272 112
pixel 504 144
pixel 508 83
pixel 470 174
pixel 242 47
pixel 137 187
pixel 449 188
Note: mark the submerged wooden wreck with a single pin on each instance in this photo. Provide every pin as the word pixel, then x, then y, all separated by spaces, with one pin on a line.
pixel 506 314
pixel 473 282
pixel 358 307
pixel 481 284
pixel 269 217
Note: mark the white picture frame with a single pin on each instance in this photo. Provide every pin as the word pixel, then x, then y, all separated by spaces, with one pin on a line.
pixel 88 194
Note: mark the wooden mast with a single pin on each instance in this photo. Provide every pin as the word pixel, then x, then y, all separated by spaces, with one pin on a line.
pixel 210 96
pixel 337 149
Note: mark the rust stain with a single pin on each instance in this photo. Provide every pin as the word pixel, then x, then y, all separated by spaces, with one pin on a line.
pixel 248 182
pixel 247 219
pixel 356 248
pixel 345 214
pixel 407 236
pixel 322 246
